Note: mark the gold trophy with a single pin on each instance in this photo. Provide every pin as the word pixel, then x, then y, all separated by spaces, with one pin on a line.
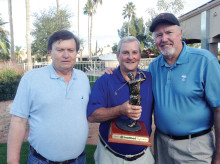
pixel 129 131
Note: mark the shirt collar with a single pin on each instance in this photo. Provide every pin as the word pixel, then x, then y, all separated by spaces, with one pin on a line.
pixel 183 57
pixel 119 76
pixel 54 75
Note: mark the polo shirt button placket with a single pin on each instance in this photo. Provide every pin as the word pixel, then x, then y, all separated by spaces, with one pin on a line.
pixel 168 75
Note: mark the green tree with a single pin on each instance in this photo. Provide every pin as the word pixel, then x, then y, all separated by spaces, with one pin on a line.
pixel 18 54
pixel 172 6
pixel 123 31
pixel 115 48
pixel 129 12
pixel 4 42
pixel 138 29
pixel 196 45
pixel 46 23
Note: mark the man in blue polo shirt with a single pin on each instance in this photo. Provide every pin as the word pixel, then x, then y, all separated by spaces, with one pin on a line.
pixel 109 100
pixel 54 100
pixel 187 97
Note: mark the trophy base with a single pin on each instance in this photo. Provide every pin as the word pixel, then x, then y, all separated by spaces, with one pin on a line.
pixel 140 137
pixel 123 124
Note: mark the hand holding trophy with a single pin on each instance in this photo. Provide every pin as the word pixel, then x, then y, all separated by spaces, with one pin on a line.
pixel 127 130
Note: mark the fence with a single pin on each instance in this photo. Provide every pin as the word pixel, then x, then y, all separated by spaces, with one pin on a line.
pixel 94 69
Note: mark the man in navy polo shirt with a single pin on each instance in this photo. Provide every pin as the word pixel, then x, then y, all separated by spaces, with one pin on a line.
pixel 187 97
pixel 109 100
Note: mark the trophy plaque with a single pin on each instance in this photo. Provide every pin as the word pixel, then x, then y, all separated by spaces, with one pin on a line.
pixel 129 131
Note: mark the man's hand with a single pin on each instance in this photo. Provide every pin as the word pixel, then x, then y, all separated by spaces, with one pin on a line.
pixel 131 111
pixel 109 70
pixel 103 114
pixel 216 159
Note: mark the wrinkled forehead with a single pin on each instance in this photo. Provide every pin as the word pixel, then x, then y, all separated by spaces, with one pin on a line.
pixel 69 42
pixel 165 26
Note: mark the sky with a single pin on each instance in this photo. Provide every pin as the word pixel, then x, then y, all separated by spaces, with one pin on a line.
pixel 107 20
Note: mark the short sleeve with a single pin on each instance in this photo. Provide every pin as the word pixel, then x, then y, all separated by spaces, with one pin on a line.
pixel 21 103
pixel 212 83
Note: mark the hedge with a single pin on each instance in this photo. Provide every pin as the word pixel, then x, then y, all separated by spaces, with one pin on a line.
pixel 9 80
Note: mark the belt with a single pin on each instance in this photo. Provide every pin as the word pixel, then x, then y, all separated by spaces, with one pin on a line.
pixel 37 155
pixel 120 155
pixel 191 135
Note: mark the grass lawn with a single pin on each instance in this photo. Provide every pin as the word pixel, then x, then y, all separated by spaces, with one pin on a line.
pixel 90 149
pixel 92 80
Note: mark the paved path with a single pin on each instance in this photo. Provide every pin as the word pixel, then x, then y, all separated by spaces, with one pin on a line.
pixel 4 120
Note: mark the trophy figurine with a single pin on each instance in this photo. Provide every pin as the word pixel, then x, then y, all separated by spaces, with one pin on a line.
pixel 130 131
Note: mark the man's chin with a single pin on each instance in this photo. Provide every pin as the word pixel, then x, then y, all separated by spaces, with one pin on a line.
pixel 131 69
pixel 167 53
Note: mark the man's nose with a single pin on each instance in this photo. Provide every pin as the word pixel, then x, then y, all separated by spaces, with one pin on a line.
pixel 164 38
pixel 130 56
pixel 65 54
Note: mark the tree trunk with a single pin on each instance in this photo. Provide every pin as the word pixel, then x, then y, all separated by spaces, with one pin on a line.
pixel 88 37
pixel 128 26
pixel 11 30
pixel 28 35
pixel 78 33
pixel 58 6
pixel 78 18
pixel 90 42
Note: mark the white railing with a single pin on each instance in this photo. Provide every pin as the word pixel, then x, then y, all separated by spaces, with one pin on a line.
pixel 94 68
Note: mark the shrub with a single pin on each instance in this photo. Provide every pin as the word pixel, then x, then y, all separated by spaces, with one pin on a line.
pixel 9 80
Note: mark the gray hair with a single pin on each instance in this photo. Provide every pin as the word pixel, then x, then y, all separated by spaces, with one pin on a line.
pixel 128 39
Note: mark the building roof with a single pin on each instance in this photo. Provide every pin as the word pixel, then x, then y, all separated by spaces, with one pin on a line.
pixel 108 56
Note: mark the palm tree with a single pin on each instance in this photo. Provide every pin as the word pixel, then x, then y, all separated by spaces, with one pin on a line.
pixel 94 6
pixel 87 10
pixel 4 42
pixel 11 30
pixel 128 12
pixel 28 35
pixel 18 53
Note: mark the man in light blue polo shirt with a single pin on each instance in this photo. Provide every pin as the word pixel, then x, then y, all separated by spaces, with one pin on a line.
pixel 54 100
pixel 186 88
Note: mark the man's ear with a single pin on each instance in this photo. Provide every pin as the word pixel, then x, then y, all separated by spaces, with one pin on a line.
pixel 181 34
pixel 49 53
pixel 117 54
